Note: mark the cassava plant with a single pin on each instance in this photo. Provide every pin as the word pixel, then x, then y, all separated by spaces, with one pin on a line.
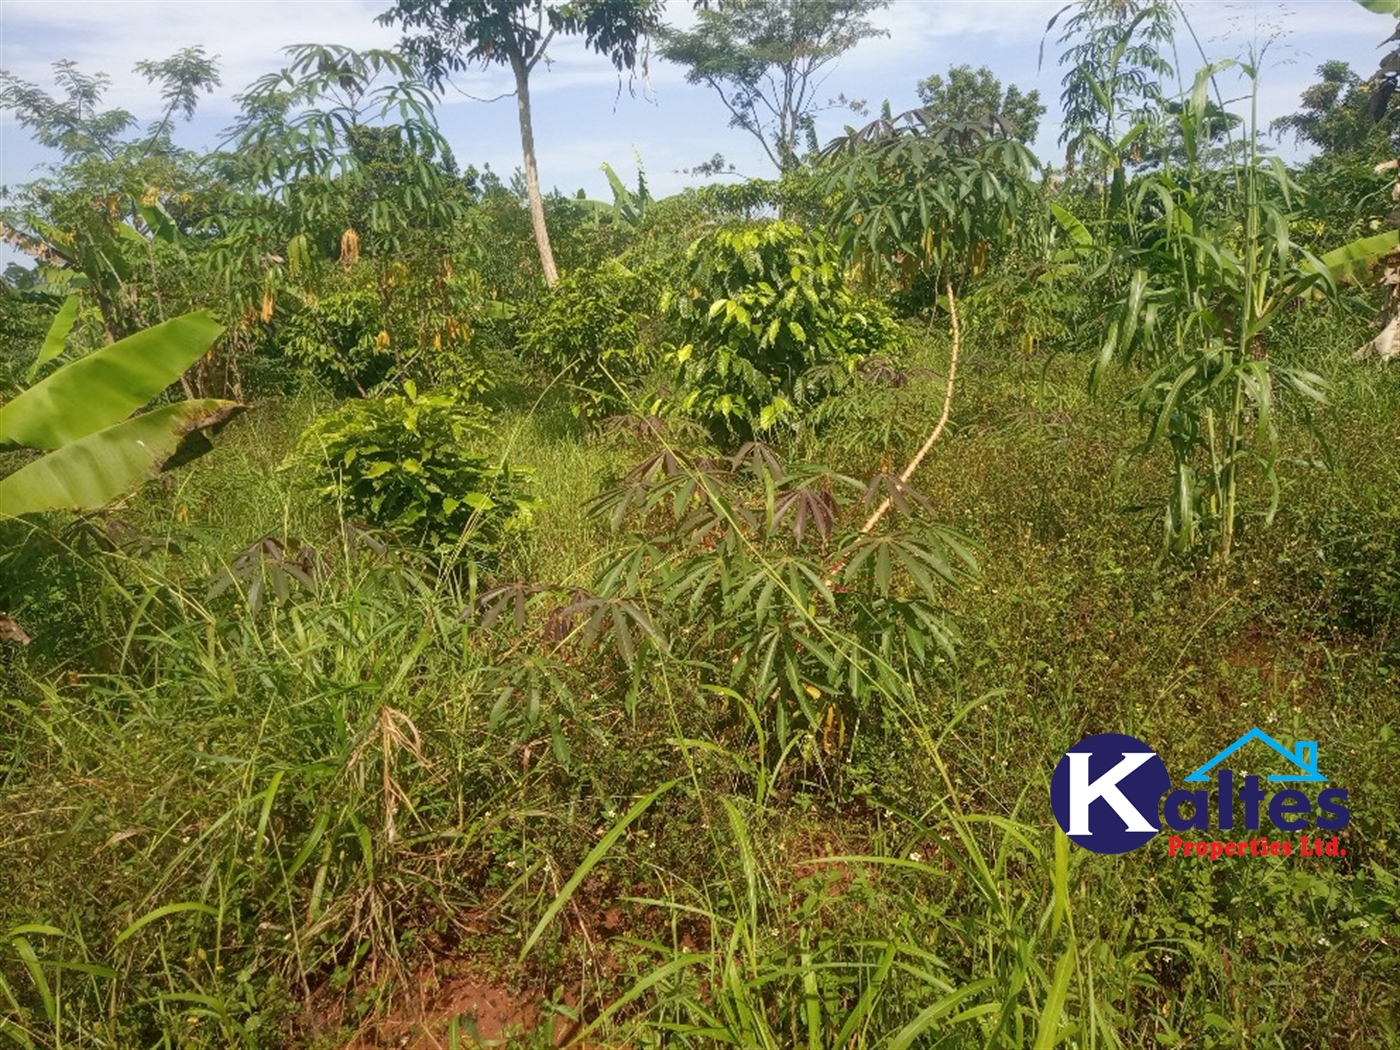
pixel 781 566
pixel 926 205
pixel 918 203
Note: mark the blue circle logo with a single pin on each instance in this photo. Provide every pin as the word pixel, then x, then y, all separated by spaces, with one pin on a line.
pixel 1106 791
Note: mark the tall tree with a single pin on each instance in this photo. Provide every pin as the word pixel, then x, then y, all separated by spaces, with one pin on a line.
pixel 73 123
pixel 457 34
pixel 1343 114
pixel 115 192
pixel 1115 55
pixel 767 61
pixel 967 95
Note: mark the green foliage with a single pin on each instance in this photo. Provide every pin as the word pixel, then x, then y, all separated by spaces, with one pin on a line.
pixel 770 327
pixel 924 203
pixel 588 332
pixel 507 32
pixel 767 60
pixel 967 96
pixel 23 322
pixel 1112 91
pixel 698 750
pixel 369 775
pixel 447 37
pixel 337 338
pixel 106 220
pixel 1024 305
pixel 827 623
pixel 403 463
pixel 78 414
pixel 1216 270
pixel 337 156
pixel 1360 545
pixel 73 123
pixel 1343 114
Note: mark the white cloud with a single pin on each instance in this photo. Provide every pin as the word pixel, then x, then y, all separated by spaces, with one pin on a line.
pixel 578 97
pixel 112 35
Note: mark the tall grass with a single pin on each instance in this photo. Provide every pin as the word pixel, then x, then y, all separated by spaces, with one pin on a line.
pixel 266 823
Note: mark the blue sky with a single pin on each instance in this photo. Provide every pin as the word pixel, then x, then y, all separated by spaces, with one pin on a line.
pixel 583 117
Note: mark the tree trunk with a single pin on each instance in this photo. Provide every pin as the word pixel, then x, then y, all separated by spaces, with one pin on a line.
pixel 532 172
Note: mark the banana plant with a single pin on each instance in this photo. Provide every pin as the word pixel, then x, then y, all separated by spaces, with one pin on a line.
pixel 81 417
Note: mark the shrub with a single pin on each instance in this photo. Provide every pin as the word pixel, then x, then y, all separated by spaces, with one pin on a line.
pixel 340 339
pixel 403 463
pixel 770 327
pixel 588 331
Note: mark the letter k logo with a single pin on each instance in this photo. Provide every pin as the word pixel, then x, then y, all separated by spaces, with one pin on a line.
pixel 1083 791
pixel 1106 792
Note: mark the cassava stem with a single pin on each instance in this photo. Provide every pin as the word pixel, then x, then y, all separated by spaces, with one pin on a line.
pixel 884 507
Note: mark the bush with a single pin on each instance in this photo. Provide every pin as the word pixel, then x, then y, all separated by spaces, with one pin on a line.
pixel 340 339
pixel 770 327
pixel 402 463
pixel 588 331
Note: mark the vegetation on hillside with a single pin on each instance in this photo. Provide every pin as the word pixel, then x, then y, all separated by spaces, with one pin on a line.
pixel 656 622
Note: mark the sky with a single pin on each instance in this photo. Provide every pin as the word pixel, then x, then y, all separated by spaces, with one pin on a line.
pixel 584 116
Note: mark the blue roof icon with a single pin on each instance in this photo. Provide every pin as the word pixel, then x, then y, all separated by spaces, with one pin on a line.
pixel 1304 756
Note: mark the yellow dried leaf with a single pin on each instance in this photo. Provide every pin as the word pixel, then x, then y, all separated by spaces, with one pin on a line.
pixel 349 248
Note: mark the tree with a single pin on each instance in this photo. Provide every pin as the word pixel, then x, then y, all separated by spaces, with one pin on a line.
pixel 317 169
pixel 73 124
pixel 115 193
pixel 967 96
pixel 768 59
pixel 1339 114
pixel 1114 54
pixel 517 33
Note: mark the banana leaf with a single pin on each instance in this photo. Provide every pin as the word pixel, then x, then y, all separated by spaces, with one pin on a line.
pixel 106 386
pixel 1350 260
pixel 57 335
pixel 93 471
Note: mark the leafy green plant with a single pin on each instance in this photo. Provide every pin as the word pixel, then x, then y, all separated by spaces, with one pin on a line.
pixel 102 220
pixel 403 463
pixel 824 617
pixel 588 331
pixel 771 327
pixel 1115 65
pixel 922 202
pixel 1213 270
pixel 517 35
pixel 79 414
pixel 338 339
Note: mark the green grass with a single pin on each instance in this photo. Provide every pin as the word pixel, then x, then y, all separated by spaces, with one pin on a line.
pixel 275 826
